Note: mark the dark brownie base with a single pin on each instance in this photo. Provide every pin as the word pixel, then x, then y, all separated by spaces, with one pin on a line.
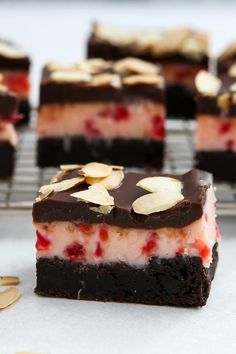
pixel 179 281
pixel 128 152
pixel 180 102
pixel 222 164
pixel 24 108
pixel 7 160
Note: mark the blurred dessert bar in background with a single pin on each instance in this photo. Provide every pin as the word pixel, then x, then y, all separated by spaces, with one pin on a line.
pixel 8 136
pixel 107 234
pixel 15 68
pixel 226 63
pixel 102 110
pixel 216 125
pixel 181 52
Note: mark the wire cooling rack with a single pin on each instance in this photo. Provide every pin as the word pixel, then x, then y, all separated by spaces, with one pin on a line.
pixel 20 192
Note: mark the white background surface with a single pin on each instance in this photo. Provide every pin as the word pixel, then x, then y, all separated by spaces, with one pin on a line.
pixel 55 326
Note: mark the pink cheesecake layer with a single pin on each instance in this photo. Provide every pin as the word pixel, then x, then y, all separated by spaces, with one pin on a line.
pixel 143 119
pixel 100 243
pixel 8 133
pixel 215 134
pixel 181 73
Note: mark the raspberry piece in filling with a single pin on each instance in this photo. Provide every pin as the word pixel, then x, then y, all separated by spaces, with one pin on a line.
pixel 98 251
pixel 224 127
pixel 158 129
pixel 86 229
pixel 42 242
pixel 121 113
pixel 75 251
pixel 150 245
pixel 180 251
pixel 103 234
pixel 91 128
pixel 204 250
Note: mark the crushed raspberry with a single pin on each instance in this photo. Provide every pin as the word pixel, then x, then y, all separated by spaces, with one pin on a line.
pixel 98 251
pixel 230 144
pixel 206 217
pixel 42 242
pixel 158 129
pixel 75 251
pixel 151 244
pixel 86 229
pixel 91 128
pixel 18 83
pixel 204 250
pixel 14 118
pixel 180 251
pixel 225 127
pixel 103 234
pixel 121 112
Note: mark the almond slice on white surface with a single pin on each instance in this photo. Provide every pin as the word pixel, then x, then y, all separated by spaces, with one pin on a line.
pixel 96 170
pixel 160 184
pixel 61 186
pixel 9 296
pixel 9 281
pixel 207 83
pixel 156 202
pixel 96 194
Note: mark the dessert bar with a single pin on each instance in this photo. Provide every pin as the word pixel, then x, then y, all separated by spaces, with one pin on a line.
pixel 15 66
pixel 101 110
pixel 181 52
pixel 8 136
pixel 216 125
pixel 104 233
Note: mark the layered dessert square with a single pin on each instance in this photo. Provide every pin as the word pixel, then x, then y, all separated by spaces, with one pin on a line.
pixel 101 110
pixel 182 53
pixel 104 233
pixel 8 136
pixel 15 67
pixel 215 142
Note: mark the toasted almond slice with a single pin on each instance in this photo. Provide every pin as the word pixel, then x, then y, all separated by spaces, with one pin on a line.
pixel 70 76
pixel 106 80
pixel 54 66
pixel 117 167
pixel 102 209
pixel 160 184
pixel 96 194
pixel 10 51
pixel 233 87
pixel 135 65
pixel 232 70
pixel 113 180
pixel 92 180
pixel 9 296
pixel 96 170
pixel 156 202
pixel 44 195
pixel 223 101
pixel 70 167
pixel 9 281
pixel 143 79
pixel 94 66
pixel 61 186
pixel 207 84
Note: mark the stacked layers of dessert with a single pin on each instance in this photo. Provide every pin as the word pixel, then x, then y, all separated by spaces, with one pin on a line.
pixel 108 111
pixel 15 66
pixel 181 51
pixel 111 235
pixel 216 125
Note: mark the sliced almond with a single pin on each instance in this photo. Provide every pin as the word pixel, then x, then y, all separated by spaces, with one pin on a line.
pixel 134 65
pixel 9 281
pixel 117 167
pixel 102 209
pixel 58 176
pixel 96 170
pixel 156 202
pixel 233 87
pixel 161 184
pixel 193 47
pixel 44 195
pixel 62 186
pixel 70 76
pixel 94 66
pixel 223 101
pixel 143 79
pixel 92 180
pixel 232 70
pixel 114 35
pixel 113 180
pixel 8 297
pixel 53 66
pixel 10 51
pixel 106 80
pixel 207 83
pixel 96 194
pixel 70 167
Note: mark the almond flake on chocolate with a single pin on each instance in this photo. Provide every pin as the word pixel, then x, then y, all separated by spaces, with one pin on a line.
pixel 134 65
pixel 96 170
pixel 9 296
pixel 70 76
pixel 106 80
pixel 53 66
pixel 232 88
pixel 117 167
pixel 44 195
pixel 207 83
pixel 156 202
pixel 103 209
pixel 94 66
pixel 9 281
pixel 70 167
pixel 10 51
pixel 114 35
pixel 96 194
pixel 143 79
pixel 232 70
pixel 193 47
pixel 223 101
pixel 92 180
pixel 113 180
pixel 62 185
pixel 160 184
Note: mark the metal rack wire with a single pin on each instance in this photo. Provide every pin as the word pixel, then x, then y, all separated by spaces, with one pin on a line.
pixel 19 192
